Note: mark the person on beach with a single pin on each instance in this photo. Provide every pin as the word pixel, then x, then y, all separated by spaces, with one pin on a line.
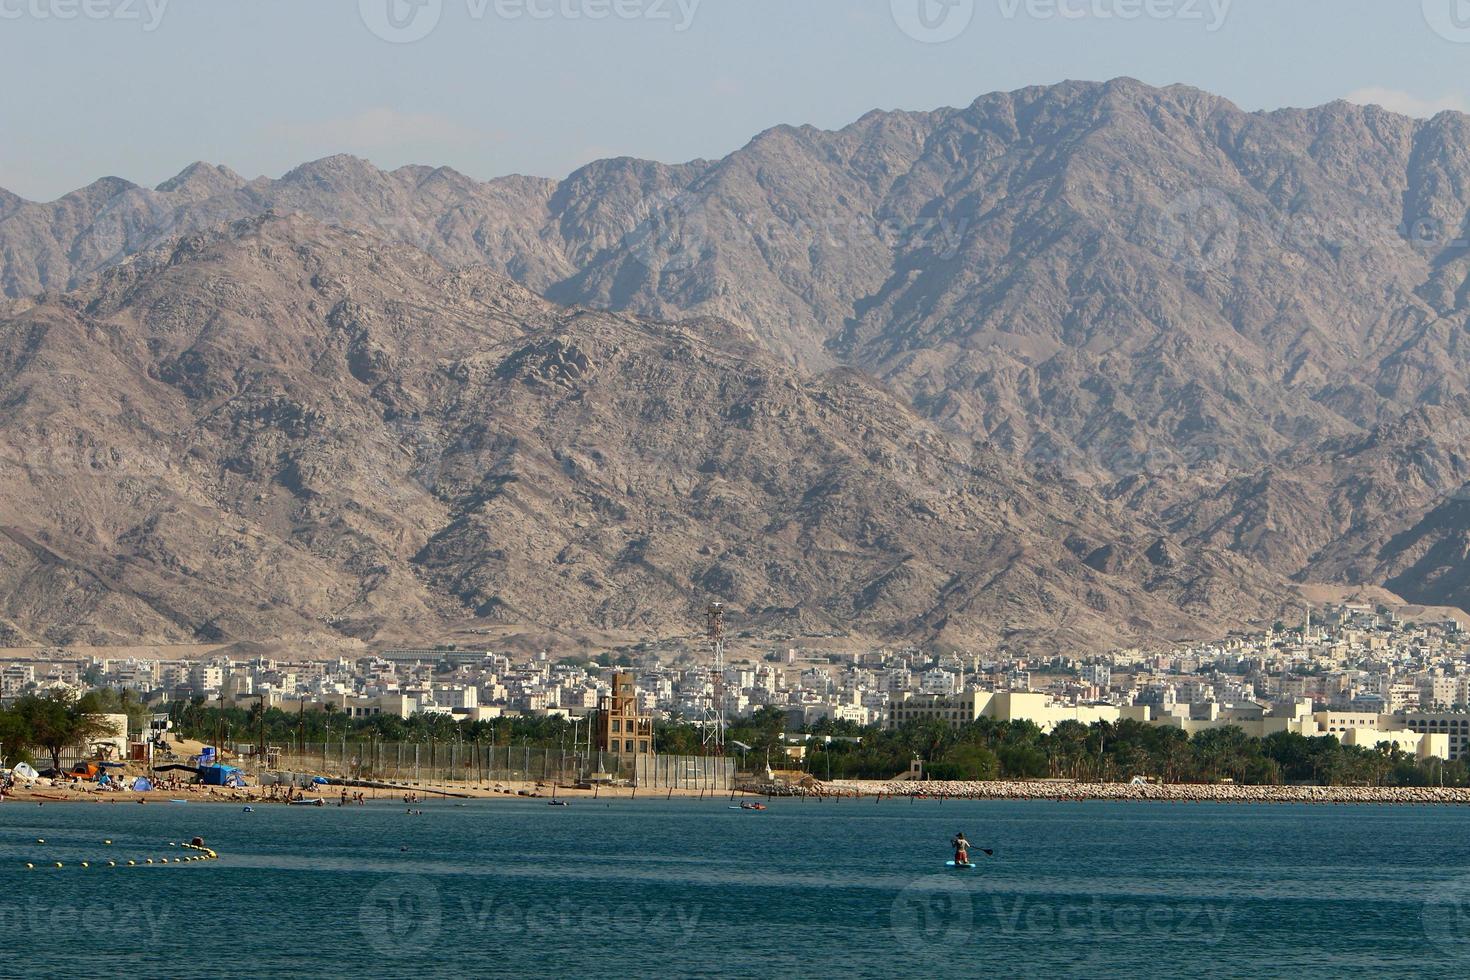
pixel 961 849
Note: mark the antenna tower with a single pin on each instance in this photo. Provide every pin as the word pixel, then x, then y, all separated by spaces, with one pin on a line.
pixel 714 710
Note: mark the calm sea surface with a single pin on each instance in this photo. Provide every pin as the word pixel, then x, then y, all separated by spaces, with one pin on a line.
pixel 687 888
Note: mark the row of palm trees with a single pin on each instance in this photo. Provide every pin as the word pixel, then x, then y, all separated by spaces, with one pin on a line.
pixel 1113 752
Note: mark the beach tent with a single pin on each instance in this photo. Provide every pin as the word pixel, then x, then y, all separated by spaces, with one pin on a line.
pixel 141 785
pixel 23 771
pixel 221 776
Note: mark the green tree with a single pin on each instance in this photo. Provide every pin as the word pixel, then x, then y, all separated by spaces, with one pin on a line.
pixel 58 721
pixel 967 761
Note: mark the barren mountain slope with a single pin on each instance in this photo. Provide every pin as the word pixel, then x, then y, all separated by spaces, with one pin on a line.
pixel 282 428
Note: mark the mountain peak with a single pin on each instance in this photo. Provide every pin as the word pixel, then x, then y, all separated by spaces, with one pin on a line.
pixel 200 179
pixel 99 191
pixel 334 171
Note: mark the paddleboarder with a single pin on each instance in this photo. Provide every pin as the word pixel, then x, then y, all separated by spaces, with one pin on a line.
pixel 961 850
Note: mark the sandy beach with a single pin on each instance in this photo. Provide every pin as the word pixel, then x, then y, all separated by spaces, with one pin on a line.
pixel 878 790
pixel 43 792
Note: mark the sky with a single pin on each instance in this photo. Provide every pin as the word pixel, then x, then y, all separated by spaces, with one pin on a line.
pixel 139 89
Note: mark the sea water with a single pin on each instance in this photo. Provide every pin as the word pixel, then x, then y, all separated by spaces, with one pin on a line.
pixel 694 888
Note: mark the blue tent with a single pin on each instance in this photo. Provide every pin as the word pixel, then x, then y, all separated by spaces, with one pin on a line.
pixel 221 776
pixel 141 785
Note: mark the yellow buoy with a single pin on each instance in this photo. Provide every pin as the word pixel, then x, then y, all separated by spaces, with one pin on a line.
pixel 149 861
pixel 107 842
pixel 112 864
pixel 85 864
pixel 132 864
pixel 40 840
pixel 32 867
pixel 58 864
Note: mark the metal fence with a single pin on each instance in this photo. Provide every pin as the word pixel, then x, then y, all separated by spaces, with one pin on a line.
pixel 478 765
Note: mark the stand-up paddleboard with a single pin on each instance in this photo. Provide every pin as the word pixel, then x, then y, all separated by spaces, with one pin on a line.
pixel 962 867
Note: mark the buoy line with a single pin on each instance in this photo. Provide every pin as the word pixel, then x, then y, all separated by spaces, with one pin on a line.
pixel 205 854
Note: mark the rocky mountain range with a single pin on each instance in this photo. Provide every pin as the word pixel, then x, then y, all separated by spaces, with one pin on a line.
pixel 1078 364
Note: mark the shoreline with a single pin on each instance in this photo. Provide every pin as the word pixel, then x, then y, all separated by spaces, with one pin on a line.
pixel 1056 791
pixel 374 793
pixel 1062 791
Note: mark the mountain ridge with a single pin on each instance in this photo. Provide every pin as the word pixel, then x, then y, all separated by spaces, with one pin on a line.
pixel 1224 322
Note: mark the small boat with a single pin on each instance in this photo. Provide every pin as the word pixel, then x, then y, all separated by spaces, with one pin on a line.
pixel 752 806
pixel 248 809
pixel 316 802
pixel 558 803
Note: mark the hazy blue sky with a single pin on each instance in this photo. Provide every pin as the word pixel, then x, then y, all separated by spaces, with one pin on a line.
pixel 140 88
